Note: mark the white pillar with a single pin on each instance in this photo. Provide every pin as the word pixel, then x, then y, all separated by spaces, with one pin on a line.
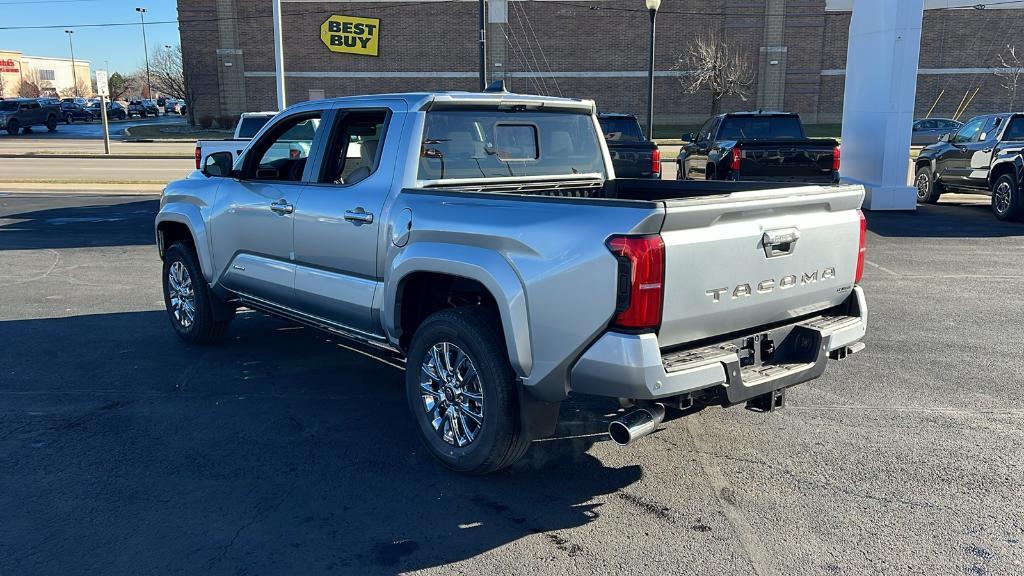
pixel 878 108
pixel 279 56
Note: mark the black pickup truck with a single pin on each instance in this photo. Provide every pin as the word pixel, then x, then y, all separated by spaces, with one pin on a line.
pixel 633 155
pixel 769 146
pixel 984 156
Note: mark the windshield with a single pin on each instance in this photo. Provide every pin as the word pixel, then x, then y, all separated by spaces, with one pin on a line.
pixel 621 130
pixel 760 128
pixel 497 143
pixel 8 105
pixel 251 125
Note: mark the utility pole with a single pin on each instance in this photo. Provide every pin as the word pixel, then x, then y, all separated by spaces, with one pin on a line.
pixel 279 57
pixel 652 7
pixel 74 73
pixel 483 47
pixel 145 47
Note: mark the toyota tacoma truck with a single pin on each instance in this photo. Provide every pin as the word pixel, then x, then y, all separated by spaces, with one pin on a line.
pixel 485 238
pixel 985 156
pixel 766 146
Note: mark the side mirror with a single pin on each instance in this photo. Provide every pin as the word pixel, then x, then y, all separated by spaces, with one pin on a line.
pixel 218 165
pixel 688 137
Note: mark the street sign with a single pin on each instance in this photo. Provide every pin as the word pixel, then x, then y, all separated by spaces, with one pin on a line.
pixel 101 83
pixel 351 34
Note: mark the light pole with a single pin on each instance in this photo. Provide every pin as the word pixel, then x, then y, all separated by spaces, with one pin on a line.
pixel 145 47
pixel 282 99
pixel 652 7
pixel 74 73
pixel 483 48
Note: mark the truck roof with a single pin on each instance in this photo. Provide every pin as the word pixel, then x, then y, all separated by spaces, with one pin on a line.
pixel 751 113
pixel 433 100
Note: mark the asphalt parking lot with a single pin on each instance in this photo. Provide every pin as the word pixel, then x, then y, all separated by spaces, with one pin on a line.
pixel 125 451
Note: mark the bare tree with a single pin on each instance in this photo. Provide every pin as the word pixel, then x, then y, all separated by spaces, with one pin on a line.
pixel 84 90
pixel 171 77
pixel 3 86
pixel 716 66
pixel 1011 73
pixel 30 84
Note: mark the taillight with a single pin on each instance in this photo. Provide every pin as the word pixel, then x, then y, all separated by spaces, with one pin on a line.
pixel 835 159
pixel 641 278
pixel 863 247
pixel 737 154
pixel 656 161
pixel 199 156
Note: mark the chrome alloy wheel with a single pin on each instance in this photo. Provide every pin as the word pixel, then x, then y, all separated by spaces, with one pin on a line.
pixel 922 185
pixel 181 295
pixel 452 394
pixel 1001 197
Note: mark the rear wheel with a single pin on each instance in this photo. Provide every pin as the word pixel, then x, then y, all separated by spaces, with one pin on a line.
pixel 462 392
pixel 13 127
pixel 51 123
pixel 928 190
pixel 188 299
pixel 1006 201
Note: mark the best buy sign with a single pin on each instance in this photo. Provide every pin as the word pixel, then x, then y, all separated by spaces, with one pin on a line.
pixel 351 34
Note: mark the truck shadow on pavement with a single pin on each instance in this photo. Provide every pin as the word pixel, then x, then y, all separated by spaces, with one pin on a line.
pixel 282 450
pixel 124 221
pixel 943 220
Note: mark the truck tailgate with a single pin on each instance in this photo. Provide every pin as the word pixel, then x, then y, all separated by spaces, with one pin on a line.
pixel 786 160
pixel 748 259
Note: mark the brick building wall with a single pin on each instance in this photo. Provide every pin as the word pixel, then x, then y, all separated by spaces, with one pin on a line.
pixel 591 49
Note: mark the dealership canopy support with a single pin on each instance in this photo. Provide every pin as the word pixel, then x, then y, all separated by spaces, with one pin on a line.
pixel 878 110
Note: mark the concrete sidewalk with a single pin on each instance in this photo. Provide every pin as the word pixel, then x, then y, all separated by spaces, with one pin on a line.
pixel 80 148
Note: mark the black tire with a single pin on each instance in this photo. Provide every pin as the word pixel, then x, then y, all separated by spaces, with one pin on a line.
pixel 203 328
pixel 680 170
pixel 499 441
pixel 51 123
pixel 1006 200
pixel 13 127
pixel 928 190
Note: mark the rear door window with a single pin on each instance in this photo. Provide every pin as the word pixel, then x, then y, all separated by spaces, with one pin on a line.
pixel 621 129
pixel 760 128
pixel 468 144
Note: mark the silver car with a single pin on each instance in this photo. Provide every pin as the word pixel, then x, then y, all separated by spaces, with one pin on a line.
pixel 927 131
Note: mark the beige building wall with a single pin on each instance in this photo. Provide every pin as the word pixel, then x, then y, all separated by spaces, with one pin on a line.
pixel 53 74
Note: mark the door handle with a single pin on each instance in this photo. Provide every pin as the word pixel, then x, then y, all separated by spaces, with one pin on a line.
pixel 986 150
pixel 359 215
pixel 282 207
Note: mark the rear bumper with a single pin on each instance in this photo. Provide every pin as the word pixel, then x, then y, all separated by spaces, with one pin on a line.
pixel 633 365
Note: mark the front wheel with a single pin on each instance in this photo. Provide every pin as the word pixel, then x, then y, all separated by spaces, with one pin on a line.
pixel 13 127
pixel 928 190
pixel 462 391
pixel 188 299
pixel 51 123
pixel 1006 201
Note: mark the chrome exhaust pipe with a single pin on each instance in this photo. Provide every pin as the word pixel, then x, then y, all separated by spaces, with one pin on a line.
pixel 636 424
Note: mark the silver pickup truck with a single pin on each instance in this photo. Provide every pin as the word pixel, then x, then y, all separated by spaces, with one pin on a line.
pixel 484 237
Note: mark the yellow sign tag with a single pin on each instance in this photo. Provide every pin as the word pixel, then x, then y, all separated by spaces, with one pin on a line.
pixel 351 34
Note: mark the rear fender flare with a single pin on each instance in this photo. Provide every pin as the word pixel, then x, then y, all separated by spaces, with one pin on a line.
pixel 190 216
pixel 487 267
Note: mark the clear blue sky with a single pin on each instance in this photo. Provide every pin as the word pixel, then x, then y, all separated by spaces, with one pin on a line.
pixel 120 45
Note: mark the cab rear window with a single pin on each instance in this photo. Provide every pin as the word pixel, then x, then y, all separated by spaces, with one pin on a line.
pixel 467 144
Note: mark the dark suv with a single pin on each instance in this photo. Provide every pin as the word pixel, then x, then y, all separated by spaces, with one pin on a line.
pixel 984 156
pixel 71 111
